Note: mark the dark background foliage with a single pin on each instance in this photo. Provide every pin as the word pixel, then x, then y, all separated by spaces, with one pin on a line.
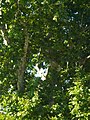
pixel 49 34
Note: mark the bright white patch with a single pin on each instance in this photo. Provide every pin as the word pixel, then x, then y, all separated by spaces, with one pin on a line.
pixel 42 73
pixel 7 0
pixel 76 13
pixel 4 40
pixel 88 56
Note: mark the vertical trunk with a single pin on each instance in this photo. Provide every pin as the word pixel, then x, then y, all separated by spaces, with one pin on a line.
pixel 22 65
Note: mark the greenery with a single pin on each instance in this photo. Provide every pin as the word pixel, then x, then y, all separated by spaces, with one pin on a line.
pixel 44 59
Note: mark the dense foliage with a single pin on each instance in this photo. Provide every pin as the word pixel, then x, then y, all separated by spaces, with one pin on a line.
pixel 44 60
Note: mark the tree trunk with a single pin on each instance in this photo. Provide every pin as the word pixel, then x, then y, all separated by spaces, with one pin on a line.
pixel 22 65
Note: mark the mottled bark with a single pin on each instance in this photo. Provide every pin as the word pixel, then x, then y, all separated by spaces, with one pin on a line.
pixel 22 65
